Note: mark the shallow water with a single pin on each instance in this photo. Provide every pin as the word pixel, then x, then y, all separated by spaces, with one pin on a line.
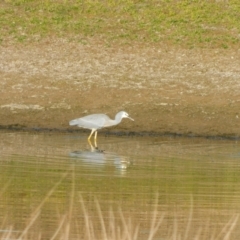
pixel 54 185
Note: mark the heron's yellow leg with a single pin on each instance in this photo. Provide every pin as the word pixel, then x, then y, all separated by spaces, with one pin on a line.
pixel 91 134
pixel 95 139
pixel 92 148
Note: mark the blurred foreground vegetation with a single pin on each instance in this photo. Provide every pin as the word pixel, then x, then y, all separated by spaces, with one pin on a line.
pixel 196 23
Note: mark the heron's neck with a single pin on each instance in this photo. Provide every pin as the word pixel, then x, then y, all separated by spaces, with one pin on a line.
pixel 117 120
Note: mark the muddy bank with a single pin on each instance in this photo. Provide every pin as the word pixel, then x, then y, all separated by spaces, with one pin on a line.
pixel 165 89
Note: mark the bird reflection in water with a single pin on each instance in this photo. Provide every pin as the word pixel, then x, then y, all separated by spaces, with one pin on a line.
pixel 100 158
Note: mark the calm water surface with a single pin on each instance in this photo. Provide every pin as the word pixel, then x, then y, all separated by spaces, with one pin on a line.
pixel 54 186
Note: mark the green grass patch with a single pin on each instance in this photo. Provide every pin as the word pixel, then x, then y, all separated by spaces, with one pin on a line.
pixel 189 23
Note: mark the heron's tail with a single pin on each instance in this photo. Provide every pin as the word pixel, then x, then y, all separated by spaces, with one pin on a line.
pixel 73 122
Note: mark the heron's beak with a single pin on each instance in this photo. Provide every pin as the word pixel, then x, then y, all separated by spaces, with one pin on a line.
pixel 131 118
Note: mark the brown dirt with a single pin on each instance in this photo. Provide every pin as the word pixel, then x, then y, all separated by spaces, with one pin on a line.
pixel 165 89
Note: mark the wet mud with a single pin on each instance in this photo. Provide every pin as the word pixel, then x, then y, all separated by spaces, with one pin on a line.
pixel 166 89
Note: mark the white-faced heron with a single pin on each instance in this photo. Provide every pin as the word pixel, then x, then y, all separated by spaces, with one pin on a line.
pixel 98 121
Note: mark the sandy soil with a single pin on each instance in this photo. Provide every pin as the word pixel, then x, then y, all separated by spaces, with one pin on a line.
pixel 165 89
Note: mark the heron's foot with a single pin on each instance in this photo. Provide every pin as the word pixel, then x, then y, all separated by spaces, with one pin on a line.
pixel 99 150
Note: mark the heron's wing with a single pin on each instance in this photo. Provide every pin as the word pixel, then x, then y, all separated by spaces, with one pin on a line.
pixel 87 124
pixel 94 121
